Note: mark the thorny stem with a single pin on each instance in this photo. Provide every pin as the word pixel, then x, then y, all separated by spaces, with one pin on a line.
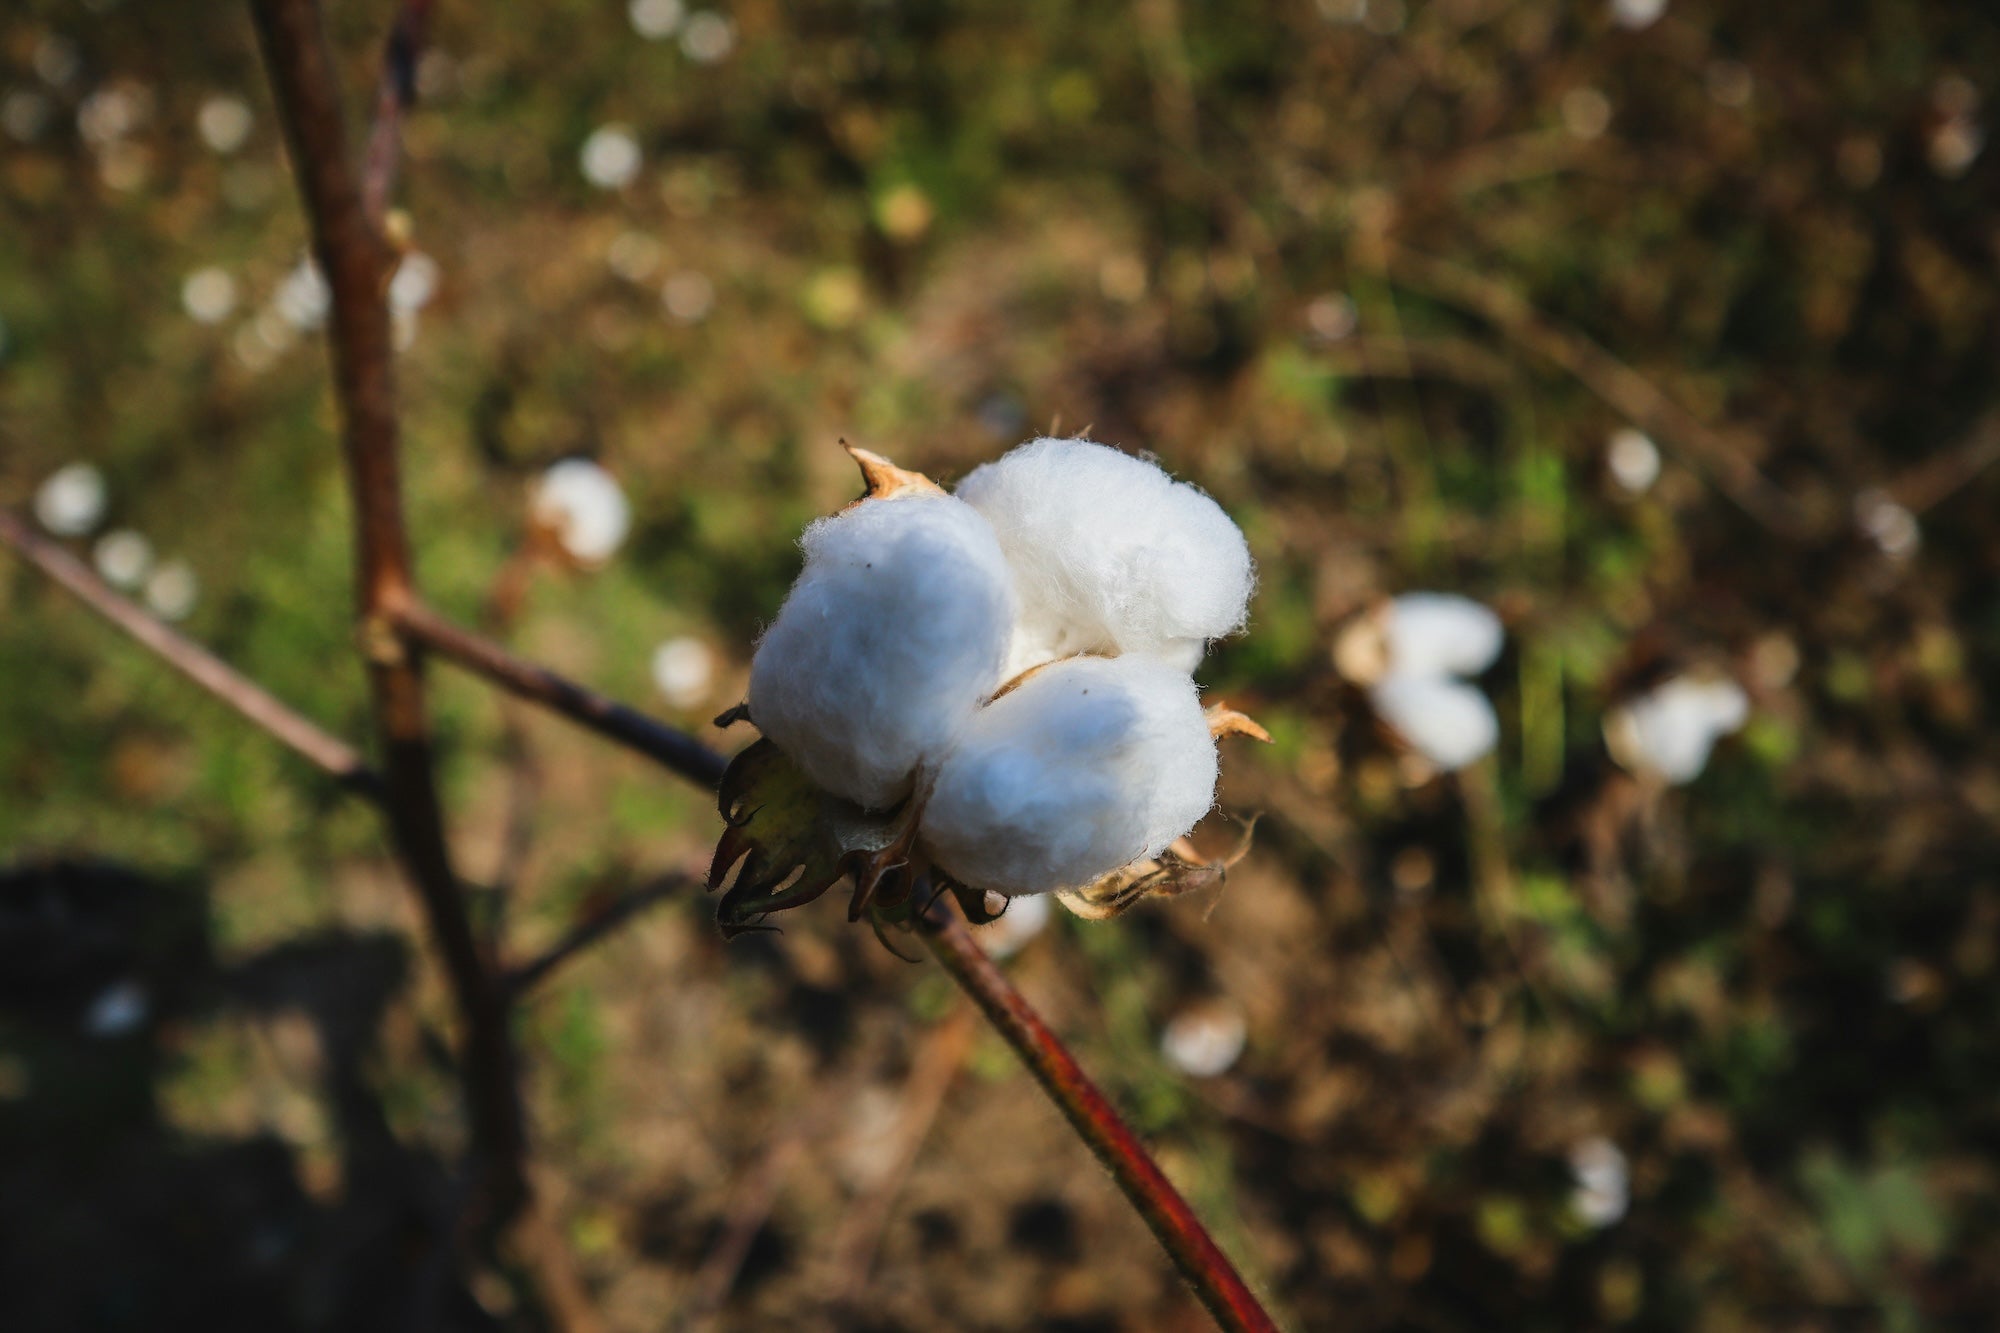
pixel 304 736
pixel 1201 1261
pixel 355 260
pixel 665 745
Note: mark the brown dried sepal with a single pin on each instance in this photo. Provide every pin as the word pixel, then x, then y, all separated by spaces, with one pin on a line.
pixel 1178 870
pixel 1226 721
pixel 886 481
pixel 789 842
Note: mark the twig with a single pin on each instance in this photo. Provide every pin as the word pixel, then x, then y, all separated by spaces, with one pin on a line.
pixel 393 99
pixel 668 746
pixel 524 978
pixel 355 260
pixel 305 737
pixel 1201 1261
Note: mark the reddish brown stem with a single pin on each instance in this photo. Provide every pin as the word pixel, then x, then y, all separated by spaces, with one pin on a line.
pixel 656 740
pixel 232 687
pixel 1201 1261
pixel 356 262
pixel 395 95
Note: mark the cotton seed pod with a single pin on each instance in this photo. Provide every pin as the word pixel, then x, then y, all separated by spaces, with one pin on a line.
pixel 894 634
pixel 1084 767
pixel 1446 721
pixel 1110 554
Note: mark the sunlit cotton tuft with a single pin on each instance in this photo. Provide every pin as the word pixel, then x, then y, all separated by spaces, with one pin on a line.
pixel 1441 634
pixel 895 632
pixel 1086 766
pixel 1110 554
pixel 1670 732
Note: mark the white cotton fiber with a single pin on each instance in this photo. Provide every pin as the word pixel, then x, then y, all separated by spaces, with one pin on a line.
pixel 1446 721
pixel 1084 767
pixel 893 635
pixel 1670 732
pixel 1441 634
pixel 1110 554
pixel 585 507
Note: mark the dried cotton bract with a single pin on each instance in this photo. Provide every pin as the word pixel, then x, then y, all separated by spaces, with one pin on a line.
pixel 1088 765
pixel 1110 554
pixel 893 635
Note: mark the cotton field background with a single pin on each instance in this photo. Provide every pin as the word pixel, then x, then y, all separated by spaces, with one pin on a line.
pixel 1617 945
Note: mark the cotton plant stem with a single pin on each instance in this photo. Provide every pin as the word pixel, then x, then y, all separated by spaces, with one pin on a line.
pixel 1201 1261
pixel 356 261
pixel 394 97
pixel 526 976
pixel 668 746
pixel 299 733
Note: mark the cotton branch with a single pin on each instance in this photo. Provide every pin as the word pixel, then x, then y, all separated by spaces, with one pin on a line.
pixel 393 99
pixel 302 735
pixel 670 748
pixel 356 261
pixel 1201 1261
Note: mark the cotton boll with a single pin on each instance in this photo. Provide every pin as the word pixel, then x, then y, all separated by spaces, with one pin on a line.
pixel 71 501
pixel 584 507
pixel 1110 554
pixel 892 637
pixel 1205 1040
pixel 1086 766
pixel 1603 1182
pixel 123 557
pixel 1446 721
pixel 1670 732
pixel 172 590
pixel 1440 634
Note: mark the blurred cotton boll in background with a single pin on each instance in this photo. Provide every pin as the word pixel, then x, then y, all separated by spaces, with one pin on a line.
pixel 1409 653
pixel 225 122
pixel 1668 732
pixel 655 20
pixel 1441 634
pixel 303 298
pixel 71 502
pixel 123 558
pixel 1205 1039
pixel 684 671
pixel 688 296
pixel 707 38
pixel 415 283
pixel 1603 1188
pixel 1637 14
pixel 1021 919
pixel 584 508
pixel 173 590
pixel 1891 526
pixel 610 157
pixel 1447 721
pixel 1633 460
pixel 209 295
